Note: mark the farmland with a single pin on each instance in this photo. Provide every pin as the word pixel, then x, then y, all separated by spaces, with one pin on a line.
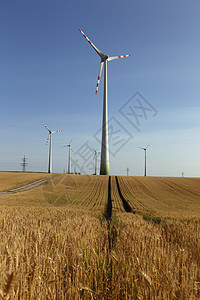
pixel 100 237
pixel 10 180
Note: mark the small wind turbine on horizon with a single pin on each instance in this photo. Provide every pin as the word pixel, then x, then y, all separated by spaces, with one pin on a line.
pixel 145 159
pixel 49 139
pixel 95 160
pixel 104 168
pixel 69 159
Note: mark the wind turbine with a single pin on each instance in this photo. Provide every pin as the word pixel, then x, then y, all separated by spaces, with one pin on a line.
pixel 50 146
pixel 95 158
pixel 145 159
pixel 104 168
pixel 69 160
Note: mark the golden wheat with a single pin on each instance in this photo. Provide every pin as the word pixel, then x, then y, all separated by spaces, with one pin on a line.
pixel 57 245
pixel 165 197
pixel 10 180
pixel 56 254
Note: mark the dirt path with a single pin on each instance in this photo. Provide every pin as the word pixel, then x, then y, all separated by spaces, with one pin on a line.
pixel 27 186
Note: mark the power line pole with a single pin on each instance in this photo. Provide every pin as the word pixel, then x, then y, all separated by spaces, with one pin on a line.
pixel 127 170
pixel 24 164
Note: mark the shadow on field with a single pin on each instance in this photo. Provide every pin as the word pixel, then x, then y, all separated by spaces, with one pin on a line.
pixel 108 211
pixel 126 205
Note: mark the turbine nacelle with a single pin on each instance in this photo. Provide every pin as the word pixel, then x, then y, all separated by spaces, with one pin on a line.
pixel 68 145
pixel 50 132
pixel 104 58
pixel 143 148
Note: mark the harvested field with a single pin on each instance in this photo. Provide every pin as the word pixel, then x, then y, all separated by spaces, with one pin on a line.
pixel 74 237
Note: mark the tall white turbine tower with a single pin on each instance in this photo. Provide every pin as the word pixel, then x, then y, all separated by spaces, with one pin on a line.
pixel 69 159
pixel 145 159
pixel 50 147
pixel 104 168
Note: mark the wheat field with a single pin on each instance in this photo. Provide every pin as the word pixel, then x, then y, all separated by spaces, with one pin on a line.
pixel 57 241
pixel 11 180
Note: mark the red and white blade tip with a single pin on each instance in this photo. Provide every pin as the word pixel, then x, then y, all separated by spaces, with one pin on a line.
pixel 47 140
pixel 95 48
pixel 98 80
pixel 121 56
pixel 85 35
pixel 97 84
pixel 56 131
pixel 116 57
pixel 44 125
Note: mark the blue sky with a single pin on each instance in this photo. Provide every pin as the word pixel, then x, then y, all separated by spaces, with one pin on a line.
pixel 48 72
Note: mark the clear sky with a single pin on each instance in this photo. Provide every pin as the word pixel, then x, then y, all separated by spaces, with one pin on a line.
pixel 48 72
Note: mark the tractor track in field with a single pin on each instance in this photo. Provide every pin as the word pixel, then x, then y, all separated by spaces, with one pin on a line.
pixel 125 203
pixel 108 211
pixel 27 186
pixel 111 226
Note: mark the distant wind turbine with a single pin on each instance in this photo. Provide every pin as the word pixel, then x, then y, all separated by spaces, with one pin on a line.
pixel 95 159
pixel 145 159
pixel 104 168
pixel 69 159
pixel 49 139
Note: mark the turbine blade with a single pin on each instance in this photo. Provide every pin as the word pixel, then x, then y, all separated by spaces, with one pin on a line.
pixel 99 76
pixel 46 127
pixel 47 139
pixel 116 57
pixel 56 131
pixel 95 48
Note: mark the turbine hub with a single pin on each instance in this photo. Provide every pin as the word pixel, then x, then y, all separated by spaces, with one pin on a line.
pixel 104 58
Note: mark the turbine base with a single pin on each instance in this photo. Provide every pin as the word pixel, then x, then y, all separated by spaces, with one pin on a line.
pixel 104 170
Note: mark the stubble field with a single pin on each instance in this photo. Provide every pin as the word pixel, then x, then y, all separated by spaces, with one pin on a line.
pixel 101 237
